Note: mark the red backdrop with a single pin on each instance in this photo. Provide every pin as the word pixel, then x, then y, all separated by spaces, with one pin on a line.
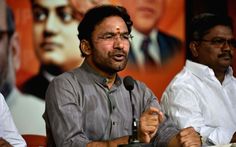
pixel 173 22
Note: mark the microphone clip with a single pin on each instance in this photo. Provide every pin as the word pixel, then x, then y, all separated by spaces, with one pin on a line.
pixel 134 137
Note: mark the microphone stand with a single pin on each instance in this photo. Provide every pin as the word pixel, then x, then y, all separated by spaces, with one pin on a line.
pixel 133 139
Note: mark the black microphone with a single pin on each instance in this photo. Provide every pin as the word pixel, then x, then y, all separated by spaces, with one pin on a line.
pixel 129 83
pixel 133 139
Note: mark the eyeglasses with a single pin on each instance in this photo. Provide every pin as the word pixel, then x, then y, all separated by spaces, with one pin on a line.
pixel 220 42
pixel 126 37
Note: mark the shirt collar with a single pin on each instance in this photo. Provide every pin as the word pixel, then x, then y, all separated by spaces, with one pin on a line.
pixel 202 71
pixel 48 76
pixel 97 77
pixel 138 37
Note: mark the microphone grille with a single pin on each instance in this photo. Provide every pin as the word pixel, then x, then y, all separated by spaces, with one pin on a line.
pixel 129 83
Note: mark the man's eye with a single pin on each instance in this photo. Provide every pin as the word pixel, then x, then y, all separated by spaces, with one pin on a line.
pixel 233 43
pixel 218 41
pixel 39 16
pixel 108 36
pixel 125 36
pixel 66 17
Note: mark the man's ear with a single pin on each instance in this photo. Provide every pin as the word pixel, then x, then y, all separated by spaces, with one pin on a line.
pixel 194 48
pixel 15 50
pixel 85 47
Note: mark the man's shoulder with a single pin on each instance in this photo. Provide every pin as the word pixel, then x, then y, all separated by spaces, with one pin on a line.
pixel 19 100
pixel 36 79
pixel 182 80
pixel 74 77
pixel 75 74
pixel 36 85
pixel 168 38
pixel 169 45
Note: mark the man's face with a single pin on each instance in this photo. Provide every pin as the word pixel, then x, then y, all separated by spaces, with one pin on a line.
pixel 111 42
pixel 216 56
pixel 144 13
pixel 3 44
pixel 55 34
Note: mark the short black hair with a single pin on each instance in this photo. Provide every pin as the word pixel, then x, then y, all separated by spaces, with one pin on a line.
pixel 202 23
pixel 96 15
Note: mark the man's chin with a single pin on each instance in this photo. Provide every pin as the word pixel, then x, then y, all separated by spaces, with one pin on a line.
pixel 52 61
pixel 225 64
pixel 115 68
pixel 120 67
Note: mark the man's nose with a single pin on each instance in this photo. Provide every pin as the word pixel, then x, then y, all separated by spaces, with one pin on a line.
pixel 227 45
pixel 118 42
pixel 52 24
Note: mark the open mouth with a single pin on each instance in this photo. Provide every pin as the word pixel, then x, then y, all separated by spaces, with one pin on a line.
pixel 119 57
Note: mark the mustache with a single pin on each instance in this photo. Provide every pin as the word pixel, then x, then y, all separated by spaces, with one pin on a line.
pixel 226 54
pixel 119 52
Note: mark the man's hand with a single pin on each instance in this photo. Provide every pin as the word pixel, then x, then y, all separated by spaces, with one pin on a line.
pixel 189 137
pixel 149 123
pixel 4 143
pixel 118 141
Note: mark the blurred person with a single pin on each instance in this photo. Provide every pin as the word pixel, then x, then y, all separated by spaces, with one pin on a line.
pixel 26 110
pixel 54 33
pixel 150 46
pixel 89 106
pixel 9 135
pixel 203 94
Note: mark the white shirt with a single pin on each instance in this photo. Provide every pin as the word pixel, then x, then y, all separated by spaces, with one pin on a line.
pixel 196 98
pixel 27 111
pixel 8 129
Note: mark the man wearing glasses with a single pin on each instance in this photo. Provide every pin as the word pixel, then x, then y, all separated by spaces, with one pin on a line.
pixel 90 106
pixel 203 94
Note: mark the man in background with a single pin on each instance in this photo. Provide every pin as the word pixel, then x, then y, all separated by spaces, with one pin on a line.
pixel 150 46
pixel 54 33
pixel 26 110
pixel 203 94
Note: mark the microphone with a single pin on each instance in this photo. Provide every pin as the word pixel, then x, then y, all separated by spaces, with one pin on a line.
pixel 133 140
pixel 129 83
